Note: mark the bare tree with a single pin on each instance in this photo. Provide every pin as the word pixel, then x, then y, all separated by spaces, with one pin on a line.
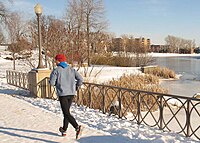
pixel 173 42
pixel 56 38
pixel 179 45
pixel 128 43
pixel 3 16
pixel 1 36
pixel 45 25
pixel 3 12
pixel 86 18
pixel 100 42
pixel 75 31
pixel 16 30
pixel 94 19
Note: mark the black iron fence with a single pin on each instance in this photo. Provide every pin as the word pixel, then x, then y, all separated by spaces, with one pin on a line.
pixel 167 112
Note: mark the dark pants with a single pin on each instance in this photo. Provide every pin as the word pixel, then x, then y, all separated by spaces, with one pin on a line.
pixel 65 102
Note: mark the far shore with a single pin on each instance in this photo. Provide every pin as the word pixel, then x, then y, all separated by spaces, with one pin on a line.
pixel 172 55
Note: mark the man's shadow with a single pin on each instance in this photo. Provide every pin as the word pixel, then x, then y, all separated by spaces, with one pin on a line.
pixel 11 132
pixel 109 139
pixel 13 92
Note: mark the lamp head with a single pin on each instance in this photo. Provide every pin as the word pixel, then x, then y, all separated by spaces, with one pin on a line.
pixel 38 9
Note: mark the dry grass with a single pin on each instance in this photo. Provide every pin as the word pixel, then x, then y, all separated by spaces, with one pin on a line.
pixel 161 72
pixel 134 81
pixel 129 100
pixel 147 82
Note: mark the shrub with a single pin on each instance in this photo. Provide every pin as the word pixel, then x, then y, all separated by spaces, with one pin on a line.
pixel 121 61
pixel 161 72
pixel 111 60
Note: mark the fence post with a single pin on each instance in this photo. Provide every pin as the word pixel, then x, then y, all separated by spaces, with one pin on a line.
pixel 89 95
pixel 14 76
pixel 78 97
pixel 7 76
pixel 10 77
pixel 139 108
pixel 12 81
pixel 19 80
pixel 103 100
pixel 161 112
pixel 26 81
pixel 23 79
pixel 120 104
pixel 46 88
pixel 188 118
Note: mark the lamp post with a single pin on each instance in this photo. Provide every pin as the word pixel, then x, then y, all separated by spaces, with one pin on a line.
pixel 38 12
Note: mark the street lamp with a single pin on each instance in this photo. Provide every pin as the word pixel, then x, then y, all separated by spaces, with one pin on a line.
pixel 38 12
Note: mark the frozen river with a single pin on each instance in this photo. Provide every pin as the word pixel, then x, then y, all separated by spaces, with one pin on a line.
pixel 188 68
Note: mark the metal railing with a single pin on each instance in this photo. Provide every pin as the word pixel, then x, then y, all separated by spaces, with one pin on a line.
pixel 167 112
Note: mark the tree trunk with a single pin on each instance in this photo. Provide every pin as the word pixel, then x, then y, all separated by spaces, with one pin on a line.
pixel 13 61
pixel 88 42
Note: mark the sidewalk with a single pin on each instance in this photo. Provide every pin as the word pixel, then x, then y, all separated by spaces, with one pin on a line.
pixel 22 122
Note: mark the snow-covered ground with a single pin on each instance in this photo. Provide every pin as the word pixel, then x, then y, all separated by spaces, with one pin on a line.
pixel 26 119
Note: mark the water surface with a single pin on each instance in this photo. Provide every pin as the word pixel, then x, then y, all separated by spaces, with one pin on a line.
pixel 188 68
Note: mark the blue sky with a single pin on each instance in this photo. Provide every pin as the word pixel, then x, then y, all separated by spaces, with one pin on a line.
pixel 154 19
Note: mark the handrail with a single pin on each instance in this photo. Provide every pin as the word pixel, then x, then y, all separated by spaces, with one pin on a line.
pixel 18 79
pixel 143 91
pixel 167 112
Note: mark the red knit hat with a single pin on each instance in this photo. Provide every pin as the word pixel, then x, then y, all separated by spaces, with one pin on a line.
pixel 60 58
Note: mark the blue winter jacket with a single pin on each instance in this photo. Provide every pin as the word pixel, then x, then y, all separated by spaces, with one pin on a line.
pixel 66 79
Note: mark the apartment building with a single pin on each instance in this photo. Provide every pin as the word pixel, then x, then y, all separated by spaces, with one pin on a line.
pixel 131 44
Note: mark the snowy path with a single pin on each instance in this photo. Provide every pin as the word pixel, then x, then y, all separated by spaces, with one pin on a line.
pixel 22 122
